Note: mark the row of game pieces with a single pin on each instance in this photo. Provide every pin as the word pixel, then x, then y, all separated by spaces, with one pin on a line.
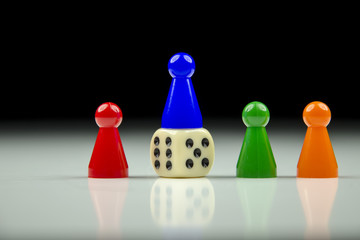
pixel 182 148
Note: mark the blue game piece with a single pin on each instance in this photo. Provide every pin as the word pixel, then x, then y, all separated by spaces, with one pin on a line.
pixel 181 108
pixel 182 148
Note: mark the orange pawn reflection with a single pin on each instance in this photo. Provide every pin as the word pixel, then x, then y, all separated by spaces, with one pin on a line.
pixel 317 197
pixel 317 158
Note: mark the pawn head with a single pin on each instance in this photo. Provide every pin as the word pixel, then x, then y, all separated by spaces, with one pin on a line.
pixel 108 115
pixel 316 114
pixel 255 114
pixel 181 65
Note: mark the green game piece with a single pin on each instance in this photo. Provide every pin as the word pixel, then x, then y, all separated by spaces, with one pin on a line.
pixel 256 159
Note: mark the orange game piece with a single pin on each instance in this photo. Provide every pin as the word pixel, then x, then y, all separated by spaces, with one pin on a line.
pixel 317 158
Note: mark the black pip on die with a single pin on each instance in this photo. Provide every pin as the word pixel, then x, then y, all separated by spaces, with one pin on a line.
pixel 182 147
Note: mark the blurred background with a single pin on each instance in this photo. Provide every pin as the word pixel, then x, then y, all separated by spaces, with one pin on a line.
pixel 62 62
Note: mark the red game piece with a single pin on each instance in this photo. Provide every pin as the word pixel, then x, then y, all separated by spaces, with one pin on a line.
pixel 108 158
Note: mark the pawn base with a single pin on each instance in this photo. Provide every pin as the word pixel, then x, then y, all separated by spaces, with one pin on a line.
pixel 95 173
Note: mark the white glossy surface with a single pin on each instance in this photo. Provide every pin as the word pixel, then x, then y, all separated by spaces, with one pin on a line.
pixel 45 192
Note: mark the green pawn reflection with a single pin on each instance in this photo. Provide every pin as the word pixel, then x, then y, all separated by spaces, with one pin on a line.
pixel 256 159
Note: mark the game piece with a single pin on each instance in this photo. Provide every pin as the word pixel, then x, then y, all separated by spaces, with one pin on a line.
pixel 181 108
pixel 256 159
pixel 317 198
pixel 182 147
pixel 317 158
pixel 108 158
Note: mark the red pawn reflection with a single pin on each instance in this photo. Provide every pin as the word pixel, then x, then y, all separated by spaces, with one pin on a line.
pixel 108 158
pixel 108 196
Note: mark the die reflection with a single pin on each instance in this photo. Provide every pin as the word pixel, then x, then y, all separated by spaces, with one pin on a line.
pixel 256 197
pixel 108 197
pixel 178 204
pixel 317 197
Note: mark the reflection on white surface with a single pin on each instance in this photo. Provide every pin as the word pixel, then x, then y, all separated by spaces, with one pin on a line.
pixel 179 204
pixel 256 197
pixel 317 197
pixel 108 196
pixel 45 192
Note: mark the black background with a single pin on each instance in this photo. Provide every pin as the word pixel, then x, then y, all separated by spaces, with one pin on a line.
pixel 62 62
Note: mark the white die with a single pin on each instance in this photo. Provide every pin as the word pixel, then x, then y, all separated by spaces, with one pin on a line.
pixel 182 152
